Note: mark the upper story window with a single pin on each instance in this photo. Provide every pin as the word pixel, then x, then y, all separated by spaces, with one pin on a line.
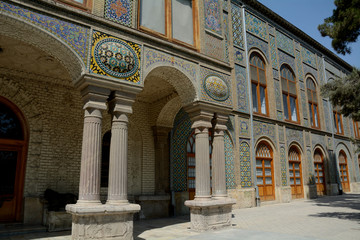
pixel 313 103
pixel 356 129
pixel 82 4
pixel 171 19
pixel 258 84
pixel 289 95
pixel 338 121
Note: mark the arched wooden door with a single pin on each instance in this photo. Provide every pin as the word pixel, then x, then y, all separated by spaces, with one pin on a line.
pixel 344 174
pixel 295 172
pixel 319 173
pixel 265 172
pixel 13 143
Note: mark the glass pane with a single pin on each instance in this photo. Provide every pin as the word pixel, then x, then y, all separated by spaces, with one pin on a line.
pixel 339 123
pixel 320 173
pixel 316 180
pixel 259 172
pixel 267 163
pixel 296 166
pixel 316 116
pixel 290 166
pixel 191 183
pixel 253 73
pixel 188 147
pixel 292 87
pixel 191 172
pixel 321 180
pixel 191 161
pixel 320 166
pixel 297 173
pixel 291 181
pixel 344 173
pixel 10 126
pixel 291 174
pixel 268 180
pixel 152 15
pixel 311 116
pixel 286 109
pixel 258 163
pixel 8 161
pixel 309 95
pixel 345 179
pixel 262 77
pixel 314 98
pixel 298 182
pixel 182 21
pixel 262 100
pixel 260 181
pixel 254 97
pixel 284 85
pixel 267 172
pixel 293 109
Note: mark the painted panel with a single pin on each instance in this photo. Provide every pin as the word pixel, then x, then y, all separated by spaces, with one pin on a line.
pixel 256 26
pixel 119 11
pixel 237 26
pixel 244 127
pixel 264 129
pixel 212 16
pixel 285 43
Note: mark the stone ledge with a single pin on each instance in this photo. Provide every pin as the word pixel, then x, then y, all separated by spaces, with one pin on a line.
pixel 210 203
pixel 83 209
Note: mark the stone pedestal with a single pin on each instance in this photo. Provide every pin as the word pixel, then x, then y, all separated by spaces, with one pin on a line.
pixel 102 221
pixel 285 194
pixel 210 215
pixel 333 189
pixel 311 192
pixel 153 206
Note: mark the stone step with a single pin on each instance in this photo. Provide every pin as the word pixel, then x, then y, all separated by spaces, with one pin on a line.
pixel 13 229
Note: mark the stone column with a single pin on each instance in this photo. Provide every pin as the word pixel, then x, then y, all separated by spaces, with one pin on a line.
pixel 89 188
pixel 218 166
pixel 119 106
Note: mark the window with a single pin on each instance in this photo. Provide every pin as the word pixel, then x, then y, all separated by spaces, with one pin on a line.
pixel 174 20
pixel 338 121
pixel 295 172
pixel 82 4
pixel 290 102
pixel 258 84
pixel 265 172
pixel 319 173
pixel 356 129
pixel 313 103
pixel 344 174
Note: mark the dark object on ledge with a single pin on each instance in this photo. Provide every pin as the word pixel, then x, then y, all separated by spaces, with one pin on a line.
pixel 57 201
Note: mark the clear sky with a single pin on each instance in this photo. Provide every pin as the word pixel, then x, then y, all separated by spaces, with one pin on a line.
pixel 307 15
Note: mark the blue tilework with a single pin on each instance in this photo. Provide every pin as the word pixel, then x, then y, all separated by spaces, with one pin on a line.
pixel 271 30
pixel 285 43
pixel 225 5
pixel 75 35
pixel 293 135
pixel 226 36
pixel 264 129
pixel 276 74
pixel 308 57
pixel 278 94
pixel 237 26
pixel 283 165
pixel 242 89
pixel 321 70
pixel 310 70
pixel 213 47
pixel 231 126
pixel 119 11
pixel 180 133
pixel 281 134
pixel 212 16
pixel 287 59
pixel 256 26
pixel 253 41
pixel 305 108
pixel 318 139
pixel 326 115
pixel 245 164
pixel 273 49
pixel 299 66
pixel 310 162
pixel 239 56
pixel 229 163
pixel 244 127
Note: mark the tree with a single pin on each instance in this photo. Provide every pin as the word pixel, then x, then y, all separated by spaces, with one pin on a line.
pixel 343 26
pixel 345 93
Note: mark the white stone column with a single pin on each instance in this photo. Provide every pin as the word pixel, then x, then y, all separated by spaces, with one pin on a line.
pixel 218 163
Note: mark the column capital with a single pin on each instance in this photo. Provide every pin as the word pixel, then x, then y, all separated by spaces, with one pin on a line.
pixel 95 97
pixel 121 102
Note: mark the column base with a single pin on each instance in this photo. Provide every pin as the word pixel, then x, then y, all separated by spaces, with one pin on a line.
pixel 102 221
pixel 210 215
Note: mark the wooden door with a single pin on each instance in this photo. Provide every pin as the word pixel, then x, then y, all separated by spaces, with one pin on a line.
pixel 344 174
pixel 295 173
pixel 265 172
pixel 12 161
pixel 319 173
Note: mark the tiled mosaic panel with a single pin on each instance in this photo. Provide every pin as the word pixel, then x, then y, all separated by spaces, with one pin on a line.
pixel 226 35
pixel 231 126
pixel 273 49
pixel 253 41
pixel 213 47
pixel 212 16
pixel 276 74
pixel 204 73
pixel 229 163
pixel 310 70
pixel 318 139
pixel 299 66
pixel 256 26
pixel 332 165
pixel 264 129
pixel 245 164
pixel 154 57
pixel 242 89
pixel 281 134
pixel 326 114
pixel 305 108
pixel 329 142
pixel 284 43
pixel 271 30
pixel 279 115
pixel 293 135
pixel 244 127
pixel 237 26
pixel 180 133
pixel 115 45
pixel 321 69
pixel 287 59
pixel 308 57
pixel 310 164
pixel 119 11
pixel 225 5
pixel 278 95
pixel 346 126
pixel 307 139
pixel 239 56
pixel 75 35
pixel 283 165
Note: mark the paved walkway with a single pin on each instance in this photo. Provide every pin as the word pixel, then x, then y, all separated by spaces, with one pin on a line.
pixel 336 217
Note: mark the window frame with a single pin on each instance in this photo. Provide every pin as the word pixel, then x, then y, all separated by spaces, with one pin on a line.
pixel 168 25
pixel 336 113
pixel 258 84
pixel 86 6
pixel 356 129
pixel 312 103
pixel 288 95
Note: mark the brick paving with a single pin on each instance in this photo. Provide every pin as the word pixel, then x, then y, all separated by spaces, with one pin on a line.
pixel 335 217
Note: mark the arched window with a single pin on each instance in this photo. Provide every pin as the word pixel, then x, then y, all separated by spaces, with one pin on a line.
pixel 319 172
pixel 356 129
pixel 295 172
pixel 313 103
pixel 265 172
pixel 258 84
pixel 344 174
pixel 290 101
pixel 338 121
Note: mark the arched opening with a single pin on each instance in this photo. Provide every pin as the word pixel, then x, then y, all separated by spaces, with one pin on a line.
pixel 295 173
pixel 13 148
pixel 265 172
pixel 319 173
pixel 344 173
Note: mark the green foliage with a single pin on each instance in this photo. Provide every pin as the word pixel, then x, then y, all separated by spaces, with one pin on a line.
pixel 345 93
pixel 343 26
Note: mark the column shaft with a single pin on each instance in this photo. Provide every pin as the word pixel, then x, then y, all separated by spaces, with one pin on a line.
pixel 202 162
pixel 117 189
pixel 218 167
pixel 89 189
